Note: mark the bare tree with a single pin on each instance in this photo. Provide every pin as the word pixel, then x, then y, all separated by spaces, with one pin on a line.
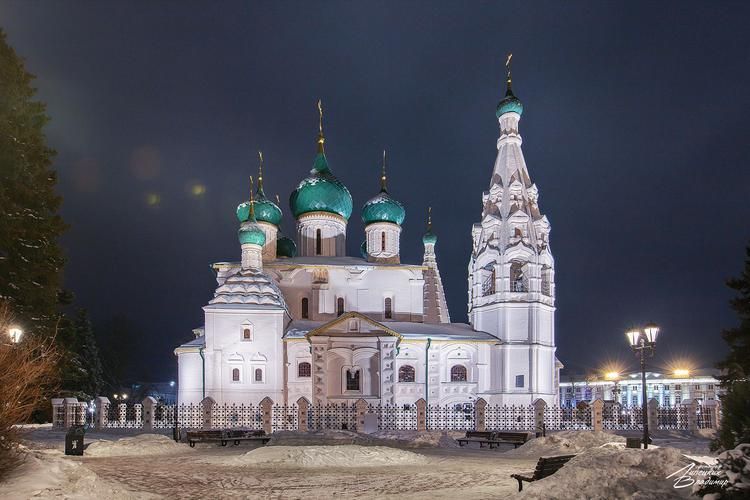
pixel 27 374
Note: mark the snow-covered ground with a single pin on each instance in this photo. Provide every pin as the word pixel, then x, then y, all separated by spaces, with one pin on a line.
pixel 343 464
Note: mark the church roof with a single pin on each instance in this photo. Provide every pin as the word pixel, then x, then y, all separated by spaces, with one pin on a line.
pixel 249 287
pixel 298 329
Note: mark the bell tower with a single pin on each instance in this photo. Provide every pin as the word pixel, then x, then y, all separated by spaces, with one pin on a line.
pixel 511 271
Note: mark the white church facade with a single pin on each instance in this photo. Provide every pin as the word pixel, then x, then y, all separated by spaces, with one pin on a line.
pixel 299 318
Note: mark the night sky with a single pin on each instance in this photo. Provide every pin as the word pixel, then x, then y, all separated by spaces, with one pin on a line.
pixel 635 131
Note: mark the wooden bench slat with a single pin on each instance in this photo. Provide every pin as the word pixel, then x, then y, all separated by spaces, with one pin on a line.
pixel 545 467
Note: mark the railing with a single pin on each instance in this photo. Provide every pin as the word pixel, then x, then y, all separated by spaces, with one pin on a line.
pixel 304 416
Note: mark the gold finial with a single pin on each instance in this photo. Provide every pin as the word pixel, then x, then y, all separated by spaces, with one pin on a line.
pixel 278 200
pixel 507 66
pixel 382 176
pixel 252 201
pixel 321 139
pixel 260 171
pixel 429 218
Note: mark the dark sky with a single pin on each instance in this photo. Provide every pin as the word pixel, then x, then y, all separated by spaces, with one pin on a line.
pixel 635 130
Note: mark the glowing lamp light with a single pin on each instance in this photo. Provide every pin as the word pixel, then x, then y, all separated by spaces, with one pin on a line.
pixel 651 331
pixel 633 337
pixel 681 373
pixel 15 334
pixel 612 375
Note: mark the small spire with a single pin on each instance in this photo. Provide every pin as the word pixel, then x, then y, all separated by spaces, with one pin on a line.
pixel 260 173
pixel 278 200
pixel 321 139
pixel 383 177
pixel 429 219
pixel 252 202
pixel 509 80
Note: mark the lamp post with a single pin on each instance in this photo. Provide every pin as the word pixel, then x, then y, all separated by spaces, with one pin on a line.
pixel 643 343
pixel 15 334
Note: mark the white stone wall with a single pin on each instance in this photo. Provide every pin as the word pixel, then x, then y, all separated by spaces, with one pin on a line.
pixel 374 234
pixel 332 230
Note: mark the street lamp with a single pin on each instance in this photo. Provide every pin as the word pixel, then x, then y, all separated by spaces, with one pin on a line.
pixel 643 343
pixel 15 334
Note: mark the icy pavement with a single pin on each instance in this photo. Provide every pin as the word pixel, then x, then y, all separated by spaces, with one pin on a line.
pixel 337 464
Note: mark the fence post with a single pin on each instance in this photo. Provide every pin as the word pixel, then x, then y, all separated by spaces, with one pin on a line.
pixel 102 408
pixel 653 415
pixel 421 414
pixel 303 409
pixel 148 407
pixel 70 412
pixel 480 413
pixel 597 415
pixel 539 406
pixel 691 407
pixel 57 404
pixel 361 408
pixel 266 411
pixel 207 408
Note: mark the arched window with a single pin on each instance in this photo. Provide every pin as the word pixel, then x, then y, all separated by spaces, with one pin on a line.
pixel 340 306
pixel 318 242
pixel 352 379
pixel 303 370
pixel 406 374
pixel 547 281
pixel 305 308
pixel 518 282
pixel 388 307
pixel 235 375
pixel 259 375
pixel 458 373
pixel 247 333
pixel 382 241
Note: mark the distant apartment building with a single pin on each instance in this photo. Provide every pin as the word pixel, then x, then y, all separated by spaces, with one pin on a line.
pixel 625 388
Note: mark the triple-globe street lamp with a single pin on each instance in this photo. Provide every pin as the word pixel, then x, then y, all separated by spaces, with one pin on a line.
pixel 643 343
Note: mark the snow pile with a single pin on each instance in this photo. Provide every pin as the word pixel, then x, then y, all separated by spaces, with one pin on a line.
pixel 327 456
pixel 319 438
pixel 566 443
pixel 46 474
pixel 603 473
pixel 143 444
pixel 419 439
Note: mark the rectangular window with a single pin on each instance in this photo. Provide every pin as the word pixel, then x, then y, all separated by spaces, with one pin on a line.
pixel 678 399
pixel 677 387
pixel 710 387
pixel 388 308
pixel 519 380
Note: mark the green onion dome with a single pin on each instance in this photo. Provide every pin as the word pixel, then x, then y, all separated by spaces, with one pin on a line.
pixel 383 208
pixel 509 104
pixel 265 209
pixel 363 250
pixel 429 237
pixel 321 192
pixel 286 247
pixel 243 211
pixel 251 233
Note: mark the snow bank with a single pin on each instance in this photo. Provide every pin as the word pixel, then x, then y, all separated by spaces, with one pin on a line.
pixel 46 474
pixel 325 456
pixel 419 439
pixel 604 473
pixel 405 439
pixel 142 444
pixel 565 443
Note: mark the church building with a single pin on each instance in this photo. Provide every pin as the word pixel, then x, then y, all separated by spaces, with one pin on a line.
pixel 297 317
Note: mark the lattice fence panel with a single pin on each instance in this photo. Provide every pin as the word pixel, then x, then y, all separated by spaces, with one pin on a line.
pixel 164 416
pixel 124 416
pixel 510 418
pixel 672 417
pixel 622 418
pixel 558 418
pixel 284 418
pixel 705 417
pixel 395 417
pixel 190 416
pixel 458 417
pixel 332 416
pixel 59 415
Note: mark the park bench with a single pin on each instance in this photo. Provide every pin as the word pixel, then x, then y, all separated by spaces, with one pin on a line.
pixel 227 435
pixel 546 466
pixel 493 439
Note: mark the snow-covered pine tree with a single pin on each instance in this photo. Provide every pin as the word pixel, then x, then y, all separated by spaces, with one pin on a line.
pixel 81 370
pixel 31 259
pixel 735 422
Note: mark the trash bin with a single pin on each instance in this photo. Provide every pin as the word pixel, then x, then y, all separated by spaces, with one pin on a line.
pixel 74 440
pixel 633 442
